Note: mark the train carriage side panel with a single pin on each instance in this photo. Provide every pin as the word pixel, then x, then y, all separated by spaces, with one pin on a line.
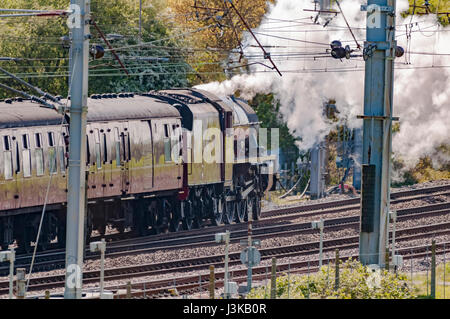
pixel 7 176
pixel 226 118
pixel 167 170
pixel 141 165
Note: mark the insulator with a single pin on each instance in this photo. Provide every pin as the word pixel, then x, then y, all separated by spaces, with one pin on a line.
pixel 338 53
pixel 65 41
pixel 97 52
pixel 336 44
pixel 399 51
pixel 347 52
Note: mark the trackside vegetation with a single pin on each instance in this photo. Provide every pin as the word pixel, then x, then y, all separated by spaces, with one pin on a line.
pixel 355 282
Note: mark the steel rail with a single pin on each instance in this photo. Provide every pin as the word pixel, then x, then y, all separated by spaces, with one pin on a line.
pixel 202 263
pixel 49 260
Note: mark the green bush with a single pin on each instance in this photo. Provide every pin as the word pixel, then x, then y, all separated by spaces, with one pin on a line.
pixel 354 284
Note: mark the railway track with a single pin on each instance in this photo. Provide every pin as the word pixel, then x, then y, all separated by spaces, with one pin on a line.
pixel 200 283
pixel 202 263
pixel 55 259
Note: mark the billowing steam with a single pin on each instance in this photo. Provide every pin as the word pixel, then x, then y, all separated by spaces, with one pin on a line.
pixel 311 77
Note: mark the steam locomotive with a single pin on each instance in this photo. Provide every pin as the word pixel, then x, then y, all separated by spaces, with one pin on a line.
pixel 145 169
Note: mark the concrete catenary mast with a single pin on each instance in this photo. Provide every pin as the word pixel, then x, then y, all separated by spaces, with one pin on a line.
pixel 379 54
pixel 79 25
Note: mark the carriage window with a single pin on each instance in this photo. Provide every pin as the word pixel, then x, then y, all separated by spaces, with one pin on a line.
pixel 52 160
pixel 25 142
pixel 117 146
pixel 38 139
pixel 52 166
pixel 62 153
pixel 39 154
pixel 26 156
pixel 51 139
pixel 167 144
pixel 6 143
pixel 166 130
pixel 7 158
pixel 126 146
pixel 105 149
pixel 17 158
pixel 88 152
pixel 98 153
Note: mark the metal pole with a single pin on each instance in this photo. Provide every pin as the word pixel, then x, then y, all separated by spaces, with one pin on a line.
pixel 433 269
pixel 77 149
pixel 129 290
pixel 394 219
pixel 21 282
pixel 102 267
pixel 321 243
pixel 273 283
pixel 386 262
pixel 445 269
pixel 336 272
pixel 379 53
pixel 227 242
pixel 251 258
pixel 289 278
pixel 11 272
pixel 357 154
pixel 411 261
pixel 211 282
pixel 308 281
pixel 427 269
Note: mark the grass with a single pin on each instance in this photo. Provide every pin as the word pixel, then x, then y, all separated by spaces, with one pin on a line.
pixel 289 200
pixel 422 283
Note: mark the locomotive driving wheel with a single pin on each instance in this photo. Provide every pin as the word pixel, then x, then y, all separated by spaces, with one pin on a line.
pixel 176 220
pixel 241 211
pixel 140 223
pixel 218 210
pixel 189 217
pixel 257 208
pixel 230 210
pixel 163 217
pixel 154 216
pixel 250 206
pixel 24 241
pixel 198 208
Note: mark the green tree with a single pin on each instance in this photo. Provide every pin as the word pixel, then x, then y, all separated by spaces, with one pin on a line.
pixel 356 282
pixel 44 62
pixel 268 110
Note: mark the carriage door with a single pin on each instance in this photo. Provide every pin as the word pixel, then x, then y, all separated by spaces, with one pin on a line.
pixel 125 153
pixel 228 153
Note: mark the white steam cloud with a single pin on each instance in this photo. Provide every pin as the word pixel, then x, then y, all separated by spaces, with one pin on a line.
pixel 421 88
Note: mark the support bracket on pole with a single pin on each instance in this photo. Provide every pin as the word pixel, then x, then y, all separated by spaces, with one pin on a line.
pixel 387 9
pixel 377 117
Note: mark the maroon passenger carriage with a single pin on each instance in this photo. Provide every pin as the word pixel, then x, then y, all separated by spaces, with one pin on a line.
pixel 143 173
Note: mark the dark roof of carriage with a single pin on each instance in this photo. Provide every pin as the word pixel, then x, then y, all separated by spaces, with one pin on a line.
pixel 27 113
